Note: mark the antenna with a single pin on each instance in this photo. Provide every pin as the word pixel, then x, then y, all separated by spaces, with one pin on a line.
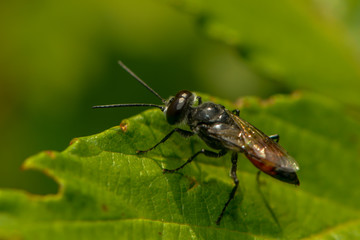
pixel 130 105
pixel 135 104
pixel 140 81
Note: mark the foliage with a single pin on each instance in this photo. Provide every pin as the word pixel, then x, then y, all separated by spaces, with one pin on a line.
pixel 108 191
pixel 298 43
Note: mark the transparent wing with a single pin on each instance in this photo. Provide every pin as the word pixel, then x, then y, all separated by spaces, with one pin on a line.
pixel 246 138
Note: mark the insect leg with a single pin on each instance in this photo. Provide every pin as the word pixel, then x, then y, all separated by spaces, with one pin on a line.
pixel 182 132
pixel 236 112
pixel 275 137
pixel 234 158
pixel 267 205
pixel 202 151
pixel 199 100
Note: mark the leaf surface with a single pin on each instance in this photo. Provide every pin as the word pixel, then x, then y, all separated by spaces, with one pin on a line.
pixel 107 191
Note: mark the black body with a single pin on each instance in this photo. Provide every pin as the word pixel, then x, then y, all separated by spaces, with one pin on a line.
pixel 207 118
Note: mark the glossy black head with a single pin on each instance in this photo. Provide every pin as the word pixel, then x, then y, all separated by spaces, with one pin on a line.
pixel 178 106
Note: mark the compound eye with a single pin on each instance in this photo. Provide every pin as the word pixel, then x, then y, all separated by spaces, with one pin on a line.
pixel 177 106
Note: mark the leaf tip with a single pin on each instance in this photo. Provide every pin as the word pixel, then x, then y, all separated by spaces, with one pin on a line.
pixel 32 162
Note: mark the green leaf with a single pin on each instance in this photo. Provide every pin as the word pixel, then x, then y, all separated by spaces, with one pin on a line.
pixel 293 42
pixel 107 191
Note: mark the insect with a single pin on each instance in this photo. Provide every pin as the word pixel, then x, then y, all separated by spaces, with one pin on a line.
pixel 221 130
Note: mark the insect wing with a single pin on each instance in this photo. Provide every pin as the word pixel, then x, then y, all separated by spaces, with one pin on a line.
pixel 258 146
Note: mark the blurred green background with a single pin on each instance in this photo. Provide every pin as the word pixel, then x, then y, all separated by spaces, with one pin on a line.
pixel 58 58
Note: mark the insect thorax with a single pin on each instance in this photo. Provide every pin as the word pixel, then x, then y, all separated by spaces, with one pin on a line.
pixel 208 113
pixel 207 117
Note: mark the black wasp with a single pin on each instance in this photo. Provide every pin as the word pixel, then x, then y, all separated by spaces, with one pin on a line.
pixel 224 131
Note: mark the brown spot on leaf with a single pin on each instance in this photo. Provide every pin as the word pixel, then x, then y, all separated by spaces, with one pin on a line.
pixel 51 154
pixel 192 183
pixel 296 94
pixel 104 208
pixel 212 99
pixel 253 101
pixel 74 140
pixel 123 126
pixel 242 102
pixel 269 101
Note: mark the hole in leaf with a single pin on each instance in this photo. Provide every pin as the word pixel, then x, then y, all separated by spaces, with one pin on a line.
pixel 34 182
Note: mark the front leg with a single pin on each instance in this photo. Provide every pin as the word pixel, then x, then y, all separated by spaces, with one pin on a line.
pixel 182 132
